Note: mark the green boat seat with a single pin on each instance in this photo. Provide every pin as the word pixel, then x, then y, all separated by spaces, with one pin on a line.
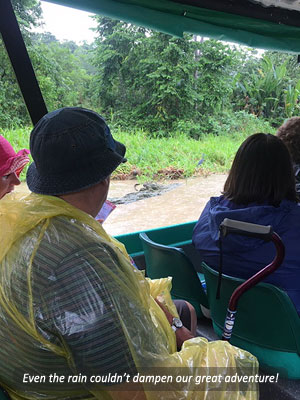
pixel 267 323
pixel 3 394
pixel 172 235
pixel 163 261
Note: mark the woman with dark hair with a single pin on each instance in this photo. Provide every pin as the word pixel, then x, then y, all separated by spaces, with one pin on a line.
pixel 260 189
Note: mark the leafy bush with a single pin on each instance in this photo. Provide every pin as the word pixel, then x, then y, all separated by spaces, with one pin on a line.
pixel 224 123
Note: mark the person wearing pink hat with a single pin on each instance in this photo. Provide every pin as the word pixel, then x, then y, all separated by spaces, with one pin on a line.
pixel 11 165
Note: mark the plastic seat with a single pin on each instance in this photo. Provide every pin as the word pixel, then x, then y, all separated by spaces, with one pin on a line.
pixel 3 394
pixel 267 323
pixel 163 261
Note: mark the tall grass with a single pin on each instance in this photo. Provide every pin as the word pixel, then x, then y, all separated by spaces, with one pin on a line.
pixel 176 156
pixel 149 155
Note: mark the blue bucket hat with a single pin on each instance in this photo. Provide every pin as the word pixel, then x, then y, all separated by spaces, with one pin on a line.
pixel 72 149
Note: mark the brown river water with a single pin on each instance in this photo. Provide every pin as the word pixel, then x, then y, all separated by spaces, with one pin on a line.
pixel 182 204
pixel 179 205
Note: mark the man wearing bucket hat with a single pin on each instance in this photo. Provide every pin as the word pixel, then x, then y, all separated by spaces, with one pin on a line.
pixel 72 149
pixel 11 165
pixel 78 303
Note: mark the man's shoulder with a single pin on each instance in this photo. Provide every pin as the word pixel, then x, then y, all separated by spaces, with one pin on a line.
pixel 66 239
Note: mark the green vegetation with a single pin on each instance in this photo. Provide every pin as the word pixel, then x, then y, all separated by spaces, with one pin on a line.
pixel 174 157
pixel 138 78
pixel 171 100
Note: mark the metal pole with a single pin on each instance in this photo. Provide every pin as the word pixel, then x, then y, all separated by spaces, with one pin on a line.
pixel 21 63
pixel 240 290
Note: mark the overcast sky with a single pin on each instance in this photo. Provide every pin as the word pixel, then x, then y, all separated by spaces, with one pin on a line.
pixel 67 23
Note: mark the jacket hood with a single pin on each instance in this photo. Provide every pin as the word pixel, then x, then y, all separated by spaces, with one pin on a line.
pixel 220 208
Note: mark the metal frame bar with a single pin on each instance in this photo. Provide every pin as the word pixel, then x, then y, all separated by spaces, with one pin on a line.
pixel 21 63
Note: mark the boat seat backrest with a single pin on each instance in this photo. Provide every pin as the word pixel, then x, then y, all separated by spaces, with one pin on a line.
pixel 266 315
pixel 163 261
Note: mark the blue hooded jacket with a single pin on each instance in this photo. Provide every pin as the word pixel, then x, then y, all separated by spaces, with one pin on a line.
pixel 244 256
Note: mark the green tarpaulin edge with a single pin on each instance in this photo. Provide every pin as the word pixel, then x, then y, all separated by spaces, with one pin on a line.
pixel 175 19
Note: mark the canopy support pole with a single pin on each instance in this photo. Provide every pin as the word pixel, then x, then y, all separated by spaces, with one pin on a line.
pixel 21 63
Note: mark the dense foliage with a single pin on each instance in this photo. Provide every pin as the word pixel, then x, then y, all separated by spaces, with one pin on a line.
pixel 139 78
pixel 159 82
pixel 63 70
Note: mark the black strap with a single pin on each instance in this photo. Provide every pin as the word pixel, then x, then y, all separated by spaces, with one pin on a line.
pixel 21 63
pixel 218 292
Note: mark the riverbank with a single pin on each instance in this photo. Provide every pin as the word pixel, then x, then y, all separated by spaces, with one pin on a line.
pixel 177 156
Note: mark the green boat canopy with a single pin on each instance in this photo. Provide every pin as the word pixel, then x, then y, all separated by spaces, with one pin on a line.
pixel 253 23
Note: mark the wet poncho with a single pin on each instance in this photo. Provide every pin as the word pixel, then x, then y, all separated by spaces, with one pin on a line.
pixel 72 305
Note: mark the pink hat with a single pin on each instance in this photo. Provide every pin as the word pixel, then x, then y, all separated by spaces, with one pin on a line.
pixel 10 161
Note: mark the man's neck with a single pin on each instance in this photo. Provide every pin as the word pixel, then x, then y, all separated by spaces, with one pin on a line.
pixel 89 200
pixel 80 203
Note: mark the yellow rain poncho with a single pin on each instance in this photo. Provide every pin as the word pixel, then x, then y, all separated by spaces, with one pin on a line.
pixel 49 310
